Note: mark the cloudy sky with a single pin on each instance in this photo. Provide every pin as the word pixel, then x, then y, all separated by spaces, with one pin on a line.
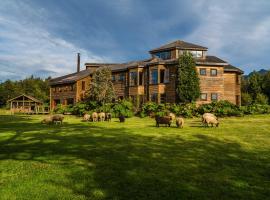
pixel 42 37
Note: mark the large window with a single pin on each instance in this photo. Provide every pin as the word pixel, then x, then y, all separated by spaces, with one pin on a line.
pixel 162 75
pixel 121 76
pixel 140 78
pixel 154 76
pixel 133 78
pixel 164 55
pixel 113 77
pixel 197 54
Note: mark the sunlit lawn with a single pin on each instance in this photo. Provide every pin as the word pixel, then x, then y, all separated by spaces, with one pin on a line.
pixel 134 160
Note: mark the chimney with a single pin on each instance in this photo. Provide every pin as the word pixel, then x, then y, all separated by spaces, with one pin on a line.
pixel 78 62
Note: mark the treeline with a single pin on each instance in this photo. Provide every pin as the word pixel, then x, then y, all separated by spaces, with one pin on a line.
pixel 32 86
pixel 256 88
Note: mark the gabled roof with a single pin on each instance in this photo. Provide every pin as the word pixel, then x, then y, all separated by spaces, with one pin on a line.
pixel 179 44
pixel 27 96
pixel 71 78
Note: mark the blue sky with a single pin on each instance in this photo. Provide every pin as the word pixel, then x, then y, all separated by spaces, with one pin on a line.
pixel 42 37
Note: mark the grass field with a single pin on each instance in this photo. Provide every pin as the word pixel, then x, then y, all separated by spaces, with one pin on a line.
pixel 134 160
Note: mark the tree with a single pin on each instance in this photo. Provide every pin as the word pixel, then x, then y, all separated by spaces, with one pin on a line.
pixel 261 99
pixel 101 88
pixel 188 82
pixel 266 85
pixel 246 99
pixel 255 84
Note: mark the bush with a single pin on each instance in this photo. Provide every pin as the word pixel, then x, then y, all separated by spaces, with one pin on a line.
pixel 261 99
pixel 123 108
pixel 246 99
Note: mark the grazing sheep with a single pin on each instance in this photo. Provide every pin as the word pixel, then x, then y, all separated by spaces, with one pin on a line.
pixel 122 118
pixel 47 120
pixel 57 119
pixel 94 117
pixel 211 120
pixel 101 116
pixel 206 115
pixel 86 117
pixel 172 116
pixel 179 122
pixel 163 120
pixel 108 117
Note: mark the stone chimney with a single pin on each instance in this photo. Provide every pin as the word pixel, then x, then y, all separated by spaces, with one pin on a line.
pixel 78 62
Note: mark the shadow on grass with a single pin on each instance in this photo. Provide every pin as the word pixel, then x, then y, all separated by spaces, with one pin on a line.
pixel 120 164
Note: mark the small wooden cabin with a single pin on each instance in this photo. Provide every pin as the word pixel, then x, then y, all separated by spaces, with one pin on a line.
pixel 26 104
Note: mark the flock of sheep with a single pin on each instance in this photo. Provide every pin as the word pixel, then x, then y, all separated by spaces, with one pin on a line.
pixel 207 119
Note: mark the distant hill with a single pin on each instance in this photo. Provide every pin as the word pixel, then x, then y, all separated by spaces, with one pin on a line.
pixel 261 71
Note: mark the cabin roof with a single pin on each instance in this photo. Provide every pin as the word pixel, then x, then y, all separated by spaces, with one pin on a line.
pixel 71 78
pixel 27 96
pixel 230 68
pixel 178 44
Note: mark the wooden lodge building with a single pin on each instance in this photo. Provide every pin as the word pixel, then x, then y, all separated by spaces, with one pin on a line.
pixel 154 79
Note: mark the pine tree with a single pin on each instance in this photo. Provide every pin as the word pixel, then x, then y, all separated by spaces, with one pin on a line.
pixel 101 88
pixel 188 82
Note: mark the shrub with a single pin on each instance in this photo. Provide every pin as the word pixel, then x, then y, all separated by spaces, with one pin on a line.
pixel 246 99
pixel 123 108
pixel 80 109
pixel 261 99
pixel 59 109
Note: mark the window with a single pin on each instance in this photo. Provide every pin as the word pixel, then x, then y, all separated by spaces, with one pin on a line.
pixel 197 54
pixel 214 96
pixel 56 102
pixel 113 77
pixel 140 78
pixel 133 78
pixel 162 76
pixel 213 72
pixel 154 76
pixel 203 97
pixel 83 85
pixel 203 71
pixel 70 101
pixel 154 97
pixel 167 76
pixel 163 98
pixel 163 55
pixel 121 76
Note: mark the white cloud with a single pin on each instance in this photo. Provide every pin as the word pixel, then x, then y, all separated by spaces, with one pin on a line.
pixel 26 48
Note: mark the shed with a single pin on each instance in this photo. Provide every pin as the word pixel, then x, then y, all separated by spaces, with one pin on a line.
pixel 26 104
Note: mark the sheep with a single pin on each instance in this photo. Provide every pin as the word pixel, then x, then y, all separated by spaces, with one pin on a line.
pixel 179 122
pixel 172 116
pixel 86 117
pixel 211 120
pixel 57 118
pixel 163 120
pixel 108 117
pixel 94 117
pixel 207 114
pixel 101 116
pixel 47 120
pixel 122 118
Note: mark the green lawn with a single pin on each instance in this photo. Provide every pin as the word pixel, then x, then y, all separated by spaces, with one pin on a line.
pixel 134 160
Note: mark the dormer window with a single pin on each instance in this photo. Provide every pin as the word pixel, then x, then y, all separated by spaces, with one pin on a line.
pixel 163 55
pixel 197 54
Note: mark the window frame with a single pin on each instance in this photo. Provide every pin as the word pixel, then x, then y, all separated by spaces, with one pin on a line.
pixel 83 86
pixel 141 76
pixel 212 96
pixel 211 70
pixel 203 69
pixel 156 78
pixel 131 78
pixel 203 99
